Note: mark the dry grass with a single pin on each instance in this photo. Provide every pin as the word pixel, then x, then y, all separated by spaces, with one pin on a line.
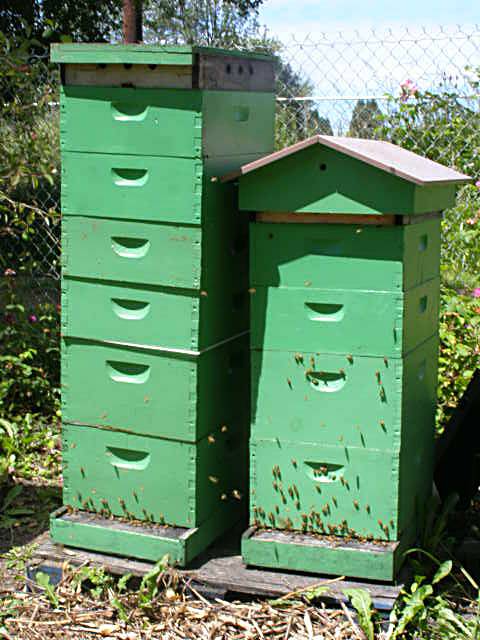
pixel 178 612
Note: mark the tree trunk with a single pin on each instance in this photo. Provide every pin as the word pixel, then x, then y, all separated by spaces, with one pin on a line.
pixel 132 21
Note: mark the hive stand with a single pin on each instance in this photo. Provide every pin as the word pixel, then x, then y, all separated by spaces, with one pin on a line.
pixel 154 293
pixel 344 275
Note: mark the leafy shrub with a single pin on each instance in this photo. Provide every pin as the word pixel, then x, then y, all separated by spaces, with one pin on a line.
pixel 443 127
pixel 29 193
pixel 459 350
pixel 29 359
pixel 461 241
pixel 29 150
pixel 29 384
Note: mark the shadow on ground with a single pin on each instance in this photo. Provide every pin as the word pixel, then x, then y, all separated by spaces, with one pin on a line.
pixel 27 515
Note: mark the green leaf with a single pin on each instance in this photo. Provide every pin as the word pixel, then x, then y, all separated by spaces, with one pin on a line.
pixel 313 594
pixel 120 608
pixel 442 571
pixel 149 584
pixel 362 603
pixel 43 580
pixel 122 583
pixel 414 605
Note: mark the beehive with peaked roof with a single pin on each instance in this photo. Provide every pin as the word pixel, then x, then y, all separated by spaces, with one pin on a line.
pixel 328 174
pixel 344 276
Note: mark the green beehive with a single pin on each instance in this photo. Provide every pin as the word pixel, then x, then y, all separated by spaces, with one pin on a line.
pixel 344 276
pixel 155 309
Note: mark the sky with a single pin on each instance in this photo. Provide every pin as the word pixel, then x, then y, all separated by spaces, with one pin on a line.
pixel 352 49
pixel 286 16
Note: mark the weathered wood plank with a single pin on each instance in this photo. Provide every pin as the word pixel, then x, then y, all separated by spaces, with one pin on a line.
pixel 324 218
pixel 121 75
pixel 339 218
pixel 226 73
pixel 231 574
pixel 234 73
pixel 219 570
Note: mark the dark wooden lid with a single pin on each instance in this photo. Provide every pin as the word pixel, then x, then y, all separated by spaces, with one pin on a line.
pixel 378 153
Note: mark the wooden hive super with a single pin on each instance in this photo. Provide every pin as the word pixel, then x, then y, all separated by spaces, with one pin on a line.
pixel 344 276
pixel 154 292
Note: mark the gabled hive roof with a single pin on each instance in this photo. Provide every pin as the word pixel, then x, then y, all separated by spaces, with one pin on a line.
pixel 378 153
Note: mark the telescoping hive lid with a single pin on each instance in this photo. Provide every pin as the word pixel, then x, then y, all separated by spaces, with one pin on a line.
pixel 329 174
pixel 182 67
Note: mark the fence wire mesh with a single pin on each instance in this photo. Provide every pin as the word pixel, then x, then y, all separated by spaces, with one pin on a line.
pixel 350 83
pixel 418 87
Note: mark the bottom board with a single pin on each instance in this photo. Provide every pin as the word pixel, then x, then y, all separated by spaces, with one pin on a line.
pixel 144 541
pixel 217 572
pixel 331 555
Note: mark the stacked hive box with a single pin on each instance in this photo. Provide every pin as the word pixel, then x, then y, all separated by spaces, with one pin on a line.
pixel 154 292
pixel 344 338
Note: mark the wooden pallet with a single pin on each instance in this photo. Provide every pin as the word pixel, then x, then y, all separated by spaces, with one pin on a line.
pixel 219 572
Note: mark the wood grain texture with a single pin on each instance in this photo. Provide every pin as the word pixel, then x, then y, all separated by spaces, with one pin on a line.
pixel 340 218
pixel 323 218
pixel 119 75
pixel 219 569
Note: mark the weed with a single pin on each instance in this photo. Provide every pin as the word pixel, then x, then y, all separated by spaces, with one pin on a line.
pixel 362 603
pixel 43 580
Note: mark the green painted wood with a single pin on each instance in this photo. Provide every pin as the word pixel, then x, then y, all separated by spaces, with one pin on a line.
pixel 155 393
pixel 155 189
pixel 163 254
pixel 175 319
pixel 165 122
pixel 169 318
pixel 237 123
pixel 337 256
pixel 314 487
pixel 139 544
pixel 216 257
pixel 151 122
pixel 416 460
pixel 131 252
pixel 361 401
pixel 122 473
pixel 143 542
pixel 356 560
pixel 85 53
pixel 132 314
pixel 321 180
pixel 342 321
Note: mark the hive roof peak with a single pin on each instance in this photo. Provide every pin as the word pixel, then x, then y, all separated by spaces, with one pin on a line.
pixel 378 153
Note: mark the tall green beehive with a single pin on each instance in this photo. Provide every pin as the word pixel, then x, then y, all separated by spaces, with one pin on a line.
pixel 154 292
pixel 344 276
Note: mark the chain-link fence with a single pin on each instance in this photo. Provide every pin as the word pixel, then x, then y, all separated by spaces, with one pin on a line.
pixel 343 83
pixel 29 171
pixel 417 87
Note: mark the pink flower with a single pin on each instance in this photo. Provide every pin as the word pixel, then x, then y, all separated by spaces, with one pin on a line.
pixel 477 184
pixel 408 89
pixel 476 293
pixel 33 318
pixel 9 272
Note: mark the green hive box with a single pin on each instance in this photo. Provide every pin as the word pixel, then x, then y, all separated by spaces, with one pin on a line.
pixel 344 276
pixel 155 308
